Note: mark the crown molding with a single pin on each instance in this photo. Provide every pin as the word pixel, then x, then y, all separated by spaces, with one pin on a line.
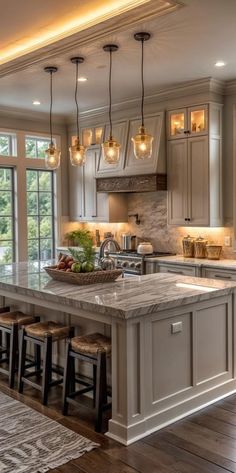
pixel 122 21
pixel 7 112
pixel 230 87
pixel 183 89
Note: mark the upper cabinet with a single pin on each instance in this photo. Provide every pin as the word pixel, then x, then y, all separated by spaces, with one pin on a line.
pixel 128 165
pixel 86 204
pixel 92 136
pixel 195 166
pixel 191 121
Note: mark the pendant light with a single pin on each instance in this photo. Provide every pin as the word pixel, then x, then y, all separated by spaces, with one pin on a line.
pixel 52 154
pixel 77 151
pixel 110 147
pixel 142 142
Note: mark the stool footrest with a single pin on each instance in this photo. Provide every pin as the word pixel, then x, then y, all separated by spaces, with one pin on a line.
pixel 81 391
pixel 31 383
pixel 32 373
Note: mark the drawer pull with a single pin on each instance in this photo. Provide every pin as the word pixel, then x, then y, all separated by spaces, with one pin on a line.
pixel 174 271
pixel 222 277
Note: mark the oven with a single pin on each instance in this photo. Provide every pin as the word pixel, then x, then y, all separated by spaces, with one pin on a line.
pixel 132 263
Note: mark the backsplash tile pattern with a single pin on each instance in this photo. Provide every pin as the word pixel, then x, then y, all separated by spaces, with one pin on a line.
pixel 152 210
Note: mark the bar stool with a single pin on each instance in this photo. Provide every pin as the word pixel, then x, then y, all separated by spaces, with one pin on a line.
pixel 93 349
pixel 43 335
pixel 10 323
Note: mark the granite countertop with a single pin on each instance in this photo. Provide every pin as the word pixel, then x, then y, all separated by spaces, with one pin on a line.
pixel 229 264
pixel 125 298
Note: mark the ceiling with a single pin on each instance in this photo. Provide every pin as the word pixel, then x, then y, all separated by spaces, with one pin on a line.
pixel 185 45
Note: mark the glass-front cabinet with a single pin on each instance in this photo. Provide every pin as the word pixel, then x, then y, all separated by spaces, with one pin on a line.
pixel 185 122
pixel 92 136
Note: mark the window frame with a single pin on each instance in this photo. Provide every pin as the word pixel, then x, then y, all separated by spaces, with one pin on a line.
pixel 12 190
pixel 20 163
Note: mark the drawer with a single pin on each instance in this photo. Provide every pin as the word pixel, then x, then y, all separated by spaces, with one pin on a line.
pixel 177 269
pixel 219 274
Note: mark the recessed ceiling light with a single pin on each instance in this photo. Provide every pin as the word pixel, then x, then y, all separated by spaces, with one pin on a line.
pixel 36 102
pixel 220 64
pixel 82 79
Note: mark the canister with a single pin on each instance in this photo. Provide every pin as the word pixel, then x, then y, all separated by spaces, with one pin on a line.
pixel 200 247
pixel 188 247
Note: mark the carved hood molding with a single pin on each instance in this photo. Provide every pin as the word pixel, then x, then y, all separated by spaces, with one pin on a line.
pixel 144 183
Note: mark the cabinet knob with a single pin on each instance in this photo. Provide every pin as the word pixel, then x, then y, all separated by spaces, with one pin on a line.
pixel 93 216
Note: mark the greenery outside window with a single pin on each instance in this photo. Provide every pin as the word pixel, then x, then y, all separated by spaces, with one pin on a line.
pixel 35 147
pixel 40 214
pixel 7 221
pixel 7 144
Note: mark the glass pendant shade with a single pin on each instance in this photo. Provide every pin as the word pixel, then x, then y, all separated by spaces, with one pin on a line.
pixel 52 157
pixel 77 154
pixel 142 143
pixel 111 151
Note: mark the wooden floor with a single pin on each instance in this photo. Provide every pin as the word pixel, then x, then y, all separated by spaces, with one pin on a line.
pixel 202 443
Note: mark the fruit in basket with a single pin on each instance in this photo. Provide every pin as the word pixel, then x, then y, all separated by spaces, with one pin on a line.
pixel 76 267
pixel 61 265
pixel 87 267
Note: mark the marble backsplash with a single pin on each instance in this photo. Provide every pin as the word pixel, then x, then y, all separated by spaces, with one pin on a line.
pixel 152 210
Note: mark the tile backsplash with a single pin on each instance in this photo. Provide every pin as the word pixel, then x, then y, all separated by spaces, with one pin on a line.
pixel 152 210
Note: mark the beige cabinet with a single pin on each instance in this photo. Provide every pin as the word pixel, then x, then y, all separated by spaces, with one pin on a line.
pixel 181 269
pixel 189 121
pixel 215 273
pixel 120 131
pixel 195 171
pixel 86 204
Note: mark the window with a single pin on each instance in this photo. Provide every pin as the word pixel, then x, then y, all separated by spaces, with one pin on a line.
pixel 35 147
pixel 7 144
pixel 7 222
pixel 40 214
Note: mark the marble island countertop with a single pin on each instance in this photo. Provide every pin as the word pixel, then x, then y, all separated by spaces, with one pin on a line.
pixel 125 298
pixel 229 264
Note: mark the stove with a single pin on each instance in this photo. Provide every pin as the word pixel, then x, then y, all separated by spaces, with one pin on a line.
pixel 133 263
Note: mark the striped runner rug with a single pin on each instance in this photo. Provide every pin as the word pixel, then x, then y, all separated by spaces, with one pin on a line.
pixel 32 443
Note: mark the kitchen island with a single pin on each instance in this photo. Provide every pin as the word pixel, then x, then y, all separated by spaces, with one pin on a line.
pixel 173 338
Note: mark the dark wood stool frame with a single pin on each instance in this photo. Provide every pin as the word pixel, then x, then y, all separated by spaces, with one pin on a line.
pixel 99 385
pixel 47 369
pixel 11 349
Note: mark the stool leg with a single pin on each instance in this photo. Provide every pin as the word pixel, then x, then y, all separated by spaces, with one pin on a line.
pixel 66 379
pixel 94 384
pixel 100 389
pixel 13 353
pixel 22 360
pixel 37 356
pixel 47 369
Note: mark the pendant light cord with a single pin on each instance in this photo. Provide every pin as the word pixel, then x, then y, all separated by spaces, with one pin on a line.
pixel 76 98
pixel 110 95
pixel 142 81
pixel 51 107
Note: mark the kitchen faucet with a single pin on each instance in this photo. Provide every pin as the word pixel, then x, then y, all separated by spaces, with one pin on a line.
pixel 105 243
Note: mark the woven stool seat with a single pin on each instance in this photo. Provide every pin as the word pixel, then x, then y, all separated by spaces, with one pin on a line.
pixel 11 318
pixel 44 329
pixel 91 344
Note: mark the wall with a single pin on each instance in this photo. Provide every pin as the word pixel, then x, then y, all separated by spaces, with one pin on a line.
pixel 152 210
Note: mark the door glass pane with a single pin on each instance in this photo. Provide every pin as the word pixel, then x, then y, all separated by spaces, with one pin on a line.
pixel 177 125
pixel 45 227
pixel 45 181
pixel 6 251
pixel 33 249
pixel 5 228
pixel 45 203
pixel 32 180
pixel 5 203
pixel 5 179
pixel 32 223
pixel 46 249
pixel 32 203
pixel 87 137
pixel 198 121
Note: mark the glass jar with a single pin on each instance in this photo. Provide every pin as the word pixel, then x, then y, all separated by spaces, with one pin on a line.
pixel 188 247
pixel 200 247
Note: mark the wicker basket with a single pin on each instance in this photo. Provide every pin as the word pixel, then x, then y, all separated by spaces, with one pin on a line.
pixel 81 279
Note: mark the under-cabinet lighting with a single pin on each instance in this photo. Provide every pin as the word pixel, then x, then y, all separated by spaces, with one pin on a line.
pixel 36 102
pixel 82 79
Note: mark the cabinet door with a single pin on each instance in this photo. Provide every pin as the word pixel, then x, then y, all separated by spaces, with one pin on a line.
pixel 219 274
pixel 177 269
pixel 177 124
pixel 89 187
pixel 76 192
pixel 177 182
pixel 198 120
pixel 198 181
pixel 135 166
pixel 120 130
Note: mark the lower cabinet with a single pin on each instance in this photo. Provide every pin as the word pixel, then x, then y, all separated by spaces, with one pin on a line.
pixel 219 274
pixel 86 204
pixel 183 270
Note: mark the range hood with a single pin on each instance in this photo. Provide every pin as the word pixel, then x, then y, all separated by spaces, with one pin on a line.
pixel 142 183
